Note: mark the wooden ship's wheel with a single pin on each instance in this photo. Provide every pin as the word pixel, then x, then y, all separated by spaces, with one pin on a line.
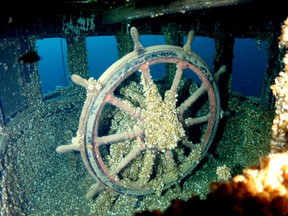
pixel 139 135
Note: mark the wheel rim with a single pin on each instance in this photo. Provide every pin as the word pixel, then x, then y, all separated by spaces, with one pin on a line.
pixel 110 80
pixel 138 135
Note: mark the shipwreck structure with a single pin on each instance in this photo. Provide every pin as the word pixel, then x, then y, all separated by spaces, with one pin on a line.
pixel 152 138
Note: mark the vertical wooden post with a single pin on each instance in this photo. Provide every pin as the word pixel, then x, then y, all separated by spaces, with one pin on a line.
pixel 274 59
pixel 224 45
pixel 124 41
pixel 77 56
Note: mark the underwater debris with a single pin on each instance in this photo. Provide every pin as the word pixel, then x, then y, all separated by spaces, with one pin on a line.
pixel 29 58
pixel 279 142
pixel 258 191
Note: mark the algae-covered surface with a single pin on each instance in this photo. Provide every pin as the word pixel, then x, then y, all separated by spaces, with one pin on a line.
pixel 38 181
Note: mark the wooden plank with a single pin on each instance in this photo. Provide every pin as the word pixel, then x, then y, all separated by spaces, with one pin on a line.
pixel 130 11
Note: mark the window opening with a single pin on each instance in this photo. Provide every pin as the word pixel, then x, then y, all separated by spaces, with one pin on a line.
pixel 204 47
pixel 249 65
pixel 53 63
pixel 102 53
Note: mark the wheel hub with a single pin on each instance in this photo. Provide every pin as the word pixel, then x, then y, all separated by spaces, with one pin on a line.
pixel 160 112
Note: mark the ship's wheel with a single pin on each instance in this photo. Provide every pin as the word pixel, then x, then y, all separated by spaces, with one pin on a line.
pixel 140 133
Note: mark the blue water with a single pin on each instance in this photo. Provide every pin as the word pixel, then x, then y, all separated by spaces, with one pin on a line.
pixel 53 63
pixel 249 66
pixel 102 52
pixel 249 63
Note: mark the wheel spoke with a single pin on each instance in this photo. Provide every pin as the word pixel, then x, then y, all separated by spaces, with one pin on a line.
pixel 188 144
pixel 133 111
pixel 198 120
pixel 147 168
pixel 127 159
pixel 180 66
pixel 129 134
pixel 171 170
pixel 145 70
pixel 189 101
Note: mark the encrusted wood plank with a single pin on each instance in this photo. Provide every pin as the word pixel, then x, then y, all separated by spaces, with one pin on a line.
pixel 133 10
